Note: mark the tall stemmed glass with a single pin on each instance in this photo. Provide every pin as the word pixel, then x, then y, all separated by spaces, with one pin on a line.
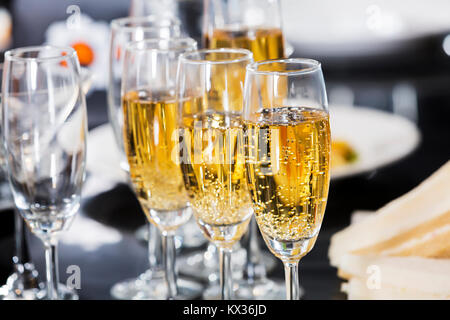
pixel 45 127
pixel 211 153
pixel 150 137
pixel 254 25
pixel 124 31
pixel 287 146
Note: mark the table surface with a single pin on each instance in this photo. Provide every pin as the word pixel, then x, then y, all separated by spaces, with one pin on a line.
pixel 116 210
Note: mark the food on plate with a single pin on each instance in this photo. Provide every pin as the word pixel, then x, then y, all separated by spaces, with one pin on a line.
pixel 415 225
pixel 342 153
pixel 383 277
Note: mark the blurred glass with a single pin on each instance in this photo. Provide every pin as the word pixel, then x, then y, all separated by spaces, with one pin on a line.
pixel 250 24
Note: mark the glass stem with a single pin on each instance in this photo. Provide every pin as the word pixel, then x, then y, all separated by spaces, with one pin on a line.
pixel 254 269
pixel 51 259
pixel 226 279
pixel 22 254
pixel 154 250
pixel 292 285
pixel 169 265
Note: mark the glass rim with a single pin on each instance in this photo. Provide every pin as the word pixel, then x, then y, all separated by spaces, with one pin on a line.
pixel 314 66
pixel 184 43
pixel 247 55
pixel 11 55
pixel 120 23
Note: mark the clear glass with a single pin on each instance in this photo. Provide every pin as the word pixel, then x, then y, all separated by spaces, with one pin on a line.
pixel 210 95
pixel 150 137
pixel 45 127
pixel 287 150
pixel 155 7
pixel 250 24
pixel 124 31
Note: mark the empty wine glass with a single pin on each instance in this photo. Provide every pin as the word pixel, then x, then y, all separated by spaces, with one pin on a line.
pixel 45 127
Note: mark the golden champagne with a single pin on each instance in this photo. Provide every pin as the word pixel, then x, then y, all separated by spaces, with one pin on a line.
pixel 288 172
pixel 150 137
pixel 265 43
pixel 213 166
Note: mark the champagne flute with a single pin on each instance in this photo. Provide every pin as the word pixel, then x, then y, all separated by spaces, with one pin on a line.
pixel 150 119
pixel 211 149
pixel 254 25
pixel 250 24
pixel 45 127
pixel 124 31
pixel 287 147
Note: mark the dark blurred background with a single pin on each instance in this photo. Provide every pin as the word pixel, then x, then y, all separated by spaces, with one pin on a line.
pixel 380 73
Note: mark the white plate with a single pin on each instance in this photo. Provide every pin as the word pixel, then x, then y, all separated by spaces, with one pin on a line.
pixel 103 157
pixel 360 27
pixel 378 137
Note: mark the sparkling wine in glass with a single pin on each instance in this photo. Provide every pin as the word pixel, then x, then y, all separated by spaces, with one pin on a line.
pixel 45 127
pixel 251 24
pixel 287 146
pixel 211 147
pixel 256 26
pixel 123 31
pixel 150 110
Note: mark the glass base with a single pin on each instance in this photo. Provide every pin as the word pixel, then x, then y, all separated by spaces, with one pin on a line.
pixel 188 289
pixel 142 235
pixel 64 293
pixel 263 289
pixel 204 265
pixel 148 286
pixel 213 292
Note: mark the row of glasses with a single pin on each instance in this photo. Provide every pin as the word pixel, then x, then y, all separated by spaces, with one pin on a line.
pixel 280 145
pixel 219 148
pixel 210 106
pixel 255 25
pixel 263 147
